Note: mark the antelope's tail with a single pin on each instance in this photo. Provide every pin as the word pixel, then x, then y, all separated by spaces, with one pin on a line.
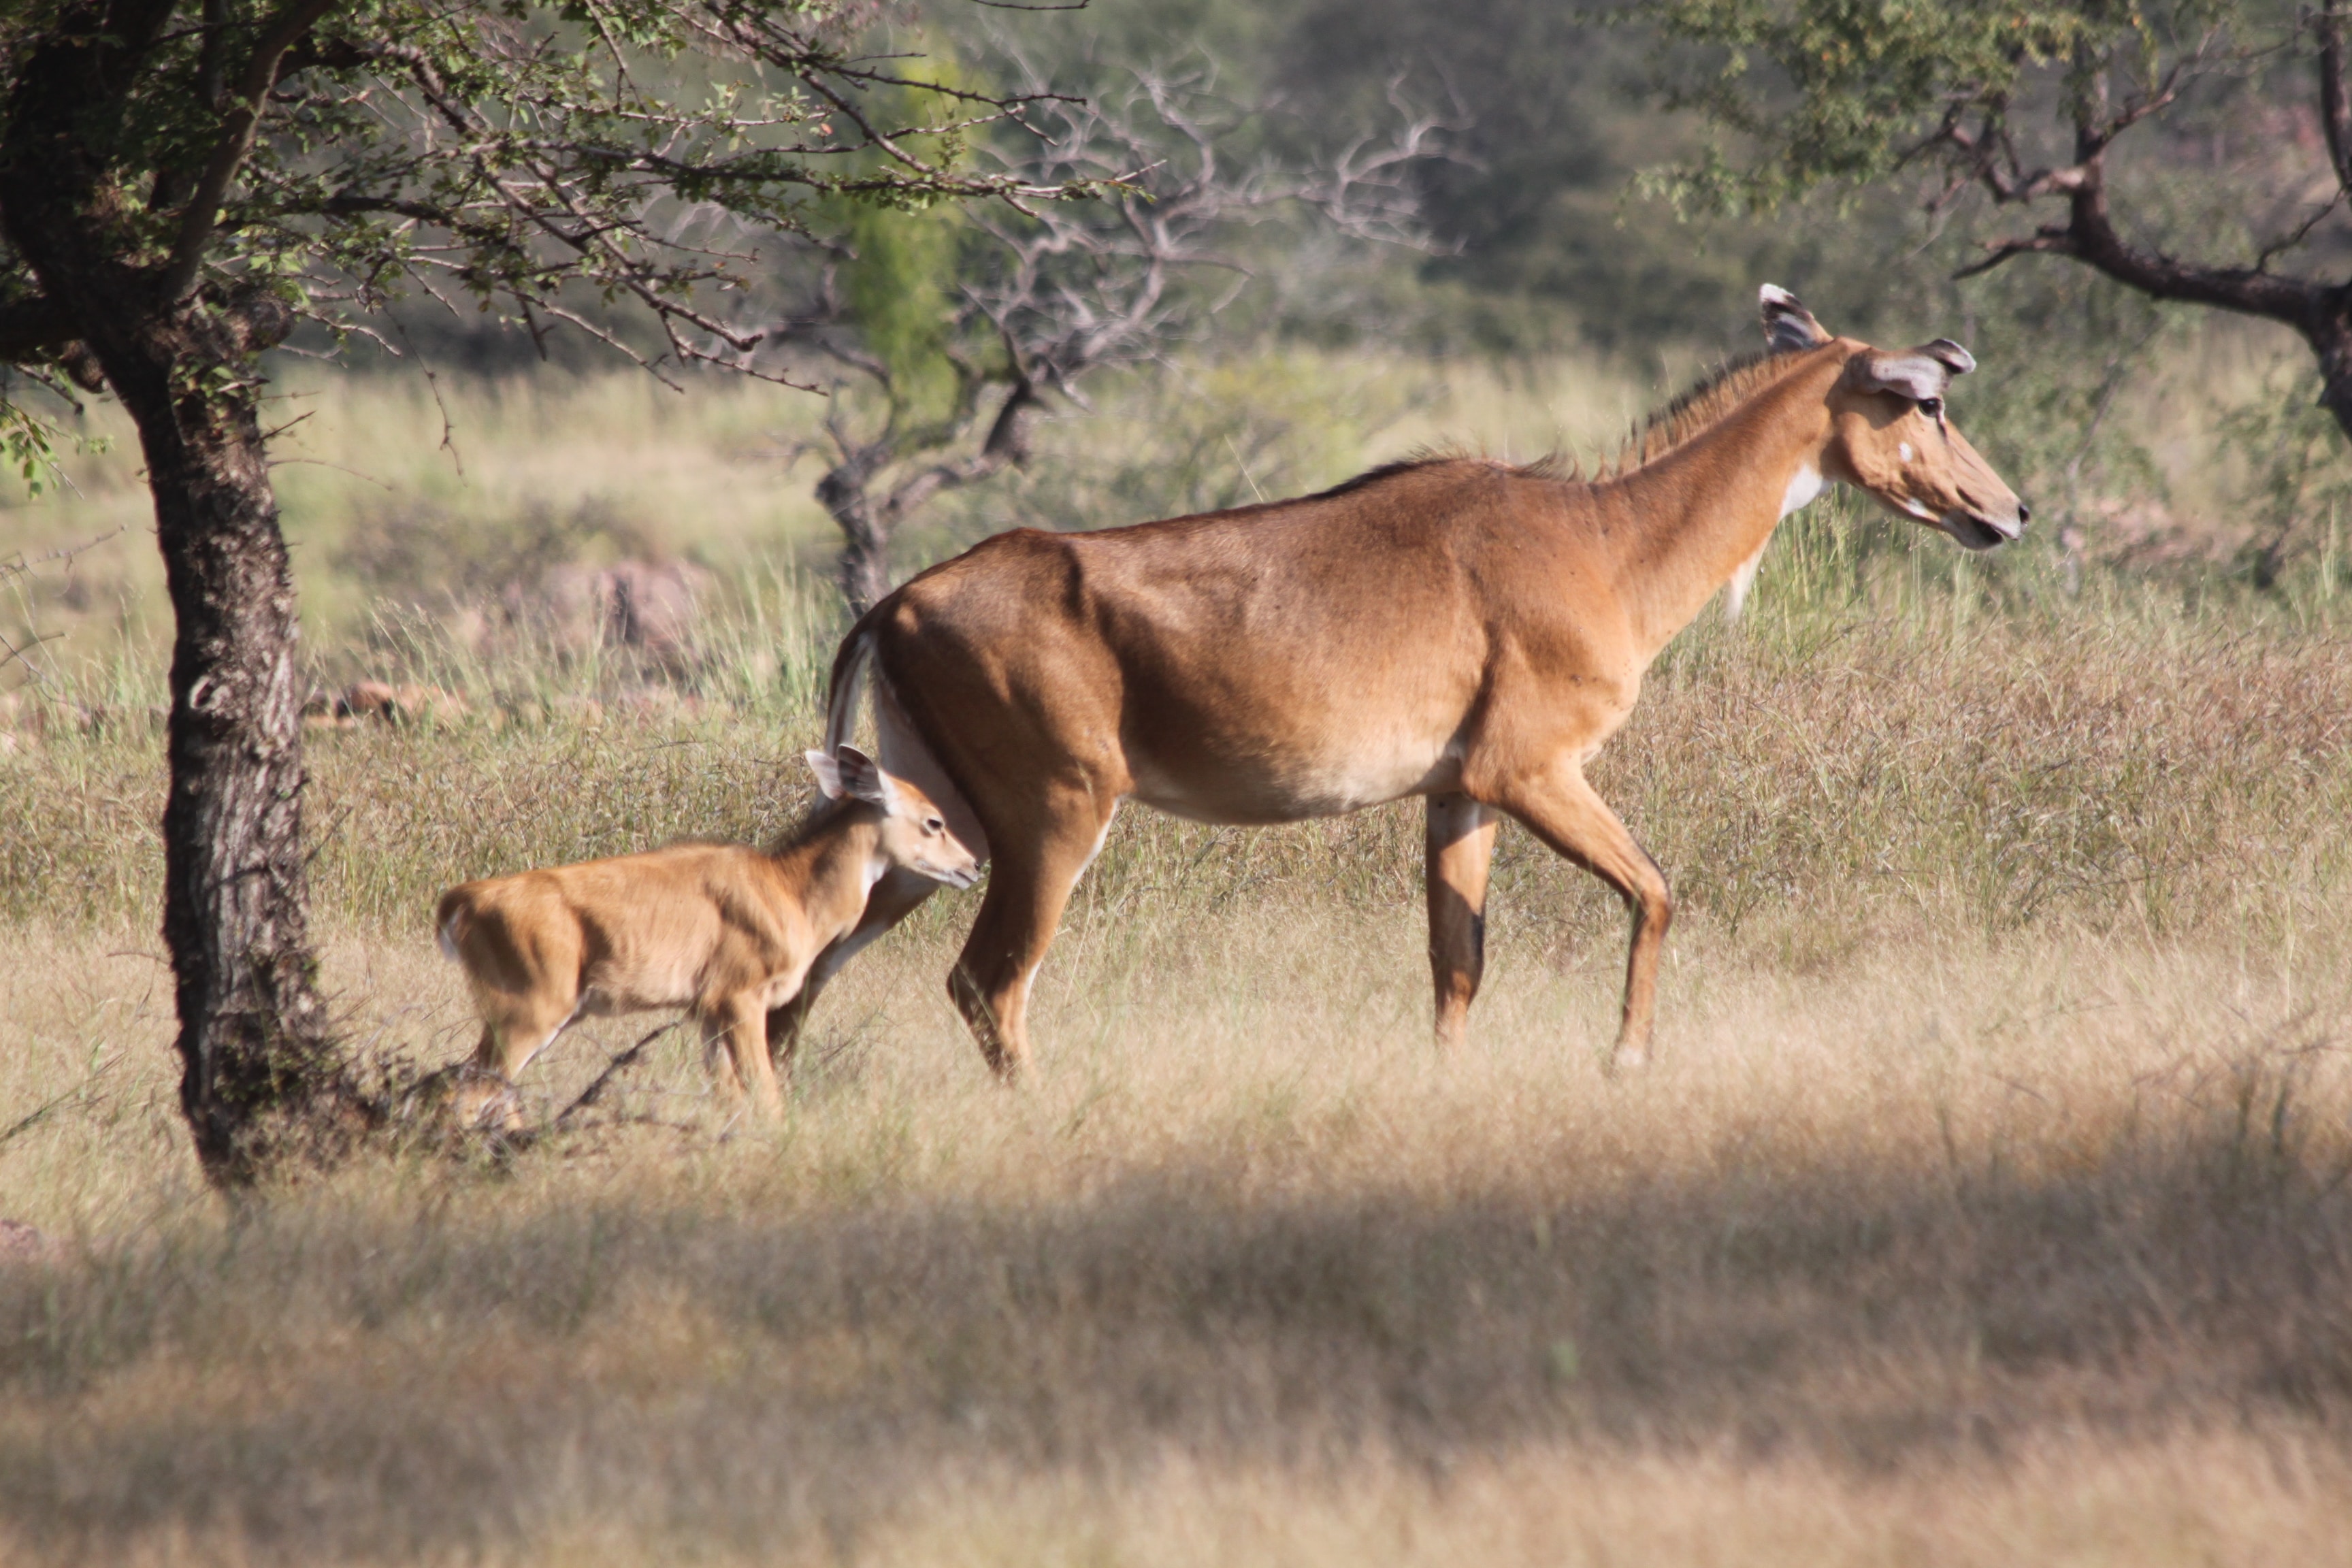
pixel 849 667
pixel 450 922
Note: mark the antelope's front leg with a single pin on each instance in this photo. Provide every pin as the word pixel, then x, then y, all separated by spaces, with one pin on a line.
pixel 1560 808
pixel 741 1022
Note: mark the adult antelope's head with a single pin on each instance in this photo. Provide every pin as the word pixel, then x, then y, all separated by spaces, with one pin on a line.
pixel 1891 435
pixel 914 833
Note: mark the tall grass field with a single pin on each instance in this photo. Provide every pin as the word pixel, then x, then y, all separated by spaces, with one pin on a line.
pixel 1989 1200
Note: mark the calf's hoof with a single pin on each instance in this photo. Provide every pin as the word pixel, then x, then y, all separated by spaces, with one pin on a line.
pixel 485 1102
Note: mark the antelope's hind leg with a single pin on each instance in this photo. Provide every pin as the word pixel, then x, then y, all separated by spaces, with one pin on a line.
pixel 1560 808
pixel 1461 845
pixel 486 1087
pixel 1028 889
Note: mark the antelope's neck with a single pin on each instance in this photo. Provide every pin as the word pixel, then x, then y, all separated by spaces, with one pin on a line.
pixel 830 876
pixel 1703 514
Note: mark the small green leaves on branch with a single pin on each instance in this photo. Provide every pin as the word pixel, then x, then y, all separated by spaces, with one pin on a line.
pixel 541 163
pixel 2198 113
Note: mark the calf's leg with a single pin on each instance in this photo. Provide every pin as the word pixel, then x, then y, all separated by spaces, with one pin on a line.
pixel 741 1025
pixel 893 898
pixel 510 1040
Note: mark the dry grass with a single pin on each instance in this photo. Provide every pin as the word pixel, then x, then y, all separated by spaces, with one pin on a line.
pixel 1977 1249
pixel 387 505
pixel 1991 1201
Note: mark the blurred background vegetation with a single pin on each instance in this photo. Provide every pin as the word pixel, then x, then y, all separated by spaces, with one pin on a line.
pixel 476 509
pixel 1999 1140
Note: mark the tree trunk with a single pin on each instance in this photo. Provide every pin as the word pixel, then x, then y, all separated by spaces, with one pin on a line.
pixel 868 520
pixel 865 539
pixel 261 1078
pixel 2331 340
pixel 262 1082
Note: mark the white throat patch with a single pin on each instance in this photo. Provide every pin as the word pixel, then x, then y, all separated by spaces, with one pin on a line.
pixel 1804 485
pixel 1742 579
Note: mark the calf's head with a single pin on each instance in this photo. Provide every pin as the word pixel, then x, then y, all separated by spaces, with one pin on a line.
pixel 914 833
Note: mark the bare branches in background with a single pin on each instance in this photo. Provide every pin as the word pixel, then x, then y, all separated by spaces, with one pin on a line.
pixel 1964 92
pixel 1044 296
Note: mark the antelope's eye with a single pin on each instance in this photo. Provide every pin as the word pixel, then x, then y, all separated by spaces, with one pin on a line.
pixel 933 825
pixel 1933 407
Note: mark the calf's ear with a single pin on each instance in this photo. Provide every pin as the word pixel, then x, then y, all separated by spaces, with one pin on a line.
pixel 862 777
pixel 827 772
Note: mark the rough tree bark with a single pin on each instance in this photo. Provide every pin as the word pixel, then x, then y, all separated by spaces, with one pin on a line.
pixel 261 1078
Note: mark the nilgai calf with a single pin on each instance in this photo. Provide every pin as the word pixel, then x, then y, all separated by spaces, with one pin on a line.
pixel 721 930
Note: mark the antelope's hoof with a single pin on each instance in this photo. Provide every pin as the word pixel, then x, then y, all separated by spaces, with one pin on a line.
pixel 1625 1059
pixel 485 1102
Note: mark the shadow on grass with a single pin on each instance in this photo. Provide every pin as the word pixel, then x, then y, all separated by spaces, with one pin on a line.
pixel 337 1381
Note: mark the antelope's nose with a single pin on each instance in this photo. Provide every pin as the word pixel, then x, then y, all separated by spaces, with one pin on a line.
pixel 2024 512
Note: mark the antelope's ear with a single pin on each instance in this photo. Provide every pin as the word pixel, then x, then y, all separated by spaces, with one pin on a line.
pixel 1949 355
pixel 827 772
pixel 863 778
pixel 1788 325
pixel 1915 373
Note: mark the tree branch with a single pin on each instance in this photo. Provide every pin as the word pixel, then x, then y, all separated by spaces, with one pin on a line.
pixel 241 122
pixel 2089 236
pixel 2335 112
pixel 33 328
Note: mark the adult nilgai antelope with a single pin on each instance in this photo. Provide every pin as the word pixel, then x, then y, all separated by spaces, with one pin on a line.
pixel 1454 628
pixel 722 932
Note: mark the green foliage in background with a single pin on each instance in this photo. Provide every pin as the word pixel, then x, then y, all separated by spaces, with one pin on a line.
pixel 899 279
pixel 898 291
pixel 1826 90
pixel 2298 478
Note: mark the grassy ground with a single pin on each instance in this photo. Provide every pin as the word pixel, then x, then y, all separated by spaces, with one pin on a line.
pixel 1950 1250
pixel 1988 1202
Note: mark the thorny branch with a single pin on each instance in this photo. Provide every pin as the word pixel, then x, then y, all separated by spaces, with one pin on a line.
pixel 473 152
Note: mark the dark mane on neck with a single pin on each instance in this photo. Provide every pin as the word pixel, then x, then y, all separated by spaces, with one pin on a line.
pixel 821 818
pixel 1692 413
pixel 1699 409
pixel 1551 465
